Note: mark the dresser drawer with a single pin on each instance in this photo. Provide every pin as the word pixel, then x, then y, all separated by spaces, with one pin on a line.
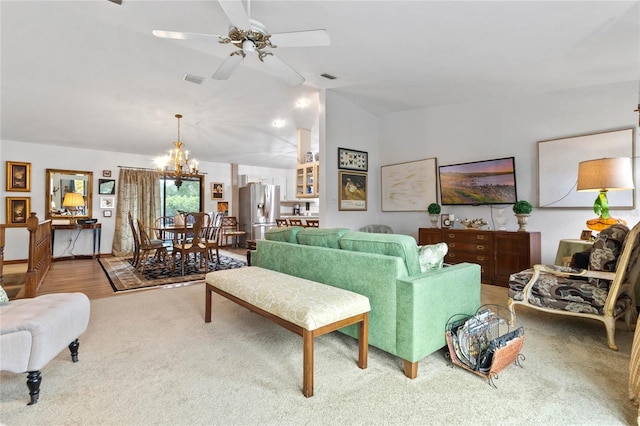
pixel 484 260
pixel 466 236
pixel 473 247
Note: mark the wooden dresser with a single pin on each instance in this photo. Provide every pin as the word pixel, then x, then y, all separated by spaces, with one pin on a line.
pixel 499 253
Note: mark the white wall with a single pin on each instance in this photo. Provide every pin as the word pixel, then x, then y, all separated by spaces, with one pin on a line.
pixel 489 129
pixel 44 157
pixel 347 126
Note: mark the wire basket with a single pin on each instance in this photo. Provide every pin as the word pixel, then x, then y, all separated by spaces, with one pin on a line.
pixel 485 343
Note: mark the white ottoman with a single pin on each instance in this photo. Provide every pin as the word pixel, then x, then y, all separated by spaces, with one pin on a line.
pixel 34 331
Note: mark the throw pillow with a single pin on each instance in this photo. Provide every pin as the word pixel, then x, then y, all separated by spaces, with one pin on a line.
pixel 431 257
pixel 4 299
pixel 605 252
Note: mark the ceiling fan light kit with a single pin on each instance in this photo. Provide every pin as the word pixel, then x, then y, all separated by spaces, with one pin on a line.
pixel 251 36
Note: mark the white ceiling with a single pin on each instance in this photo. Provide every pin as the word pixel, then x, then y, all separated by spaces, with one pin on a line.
pixel 91 74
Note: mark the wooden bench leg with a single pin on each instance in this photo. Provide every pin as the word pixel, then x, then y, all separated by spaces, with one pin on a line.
pixel 307 361
pixel 207 303
pixel 363 341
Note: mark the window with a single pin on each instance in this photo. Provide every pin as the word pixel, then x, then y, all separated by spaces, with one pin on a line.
pixel 189 198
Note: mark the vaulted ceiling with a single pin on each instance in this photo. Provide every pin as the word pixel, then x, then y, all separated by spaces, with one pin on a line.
pixel 91 74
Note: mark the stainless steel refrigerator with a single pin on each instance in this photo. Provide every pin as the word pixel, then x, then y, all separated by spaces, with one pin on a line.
pixel 259 207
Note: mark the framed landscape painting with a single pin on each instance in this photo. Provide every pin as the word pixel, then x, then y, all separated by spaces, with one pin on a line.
pixel 18 209
pixel 18 176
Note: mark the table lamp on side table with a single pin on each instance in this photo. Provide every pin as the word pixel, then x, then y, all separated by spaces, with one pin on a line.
pixel 73 200
pixel 604 174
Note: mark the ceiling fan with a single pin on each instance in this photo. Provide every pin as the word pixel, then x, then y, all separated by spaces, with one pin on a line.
pixel 252 38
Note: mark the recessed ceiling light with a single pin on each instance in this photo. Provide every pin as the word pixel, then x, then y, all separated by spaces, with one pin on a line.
pixel 279 123
pixel 302 103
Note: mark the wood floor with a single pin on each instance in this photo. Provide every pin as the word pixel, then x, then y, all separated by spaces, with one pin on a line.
pixel 83 275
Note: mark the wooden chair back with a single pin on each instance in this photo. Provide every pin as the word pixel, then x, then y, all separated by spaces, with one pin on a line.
pixel 312 223
pixel 282 222
pixel 295 222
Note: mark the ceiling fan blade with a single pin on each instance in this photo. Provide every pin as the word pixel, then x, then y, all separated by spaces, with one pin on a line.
pixel 282 70
pixel 301 38
pixel 175 35
pixel 227 67
pixel 236 13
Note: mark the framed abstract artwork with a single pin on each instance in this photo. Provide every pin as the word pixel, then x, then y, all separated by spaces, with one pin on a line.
pixel 558 161
pixel 106 186
pixel 217 191
pixel 410 186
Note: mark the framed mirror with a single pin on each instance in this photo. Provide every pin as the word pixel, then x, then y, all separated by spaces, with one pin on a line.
pixel 62 182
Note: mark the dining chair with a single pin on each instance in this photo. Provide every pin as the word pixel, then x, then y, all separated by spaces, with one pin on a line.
pixel 164 235
pixel 312 223
pixel 136 241
pixel 213 234
pixel 196 244
pixel 295 222
pixel 230 230
pixel 147 245
pixel 282 223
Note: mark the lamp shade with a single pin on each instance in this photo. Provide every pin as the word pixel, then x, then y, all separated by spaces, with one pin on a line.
pixel 73 199
pixel 605 174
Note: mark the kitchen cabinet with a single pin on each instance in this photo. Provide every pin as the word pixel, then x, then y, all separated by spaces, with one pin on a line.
pixel 307 180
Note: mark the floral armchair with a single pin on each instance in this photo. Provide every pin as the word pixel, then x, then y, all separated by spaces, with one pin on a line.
pixel 604 291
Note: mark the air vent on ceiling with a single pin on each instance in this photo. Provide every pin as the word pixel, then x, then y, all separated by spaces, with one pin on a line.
pixel 328 76
pixel 116 1
pixel 193 78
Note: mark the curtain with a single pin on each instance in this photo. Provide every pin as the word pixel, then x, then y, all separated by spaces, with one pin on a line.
pixel 139 193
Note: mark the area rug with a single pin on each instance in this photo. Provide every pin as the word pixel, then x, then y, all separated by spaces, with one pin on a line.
pixel 123 276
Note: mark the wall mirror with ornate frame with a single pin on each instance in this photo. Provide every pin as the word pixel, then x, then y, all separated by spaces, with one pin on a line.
pixel 59 183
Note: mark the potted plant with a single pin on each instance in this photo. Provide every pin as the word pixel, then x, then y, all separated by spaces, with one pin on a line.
pixel 434 213
pixel 522 209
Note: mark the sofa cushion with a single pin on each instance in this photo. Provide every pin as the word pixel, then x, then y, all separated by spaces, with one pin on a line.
pixel 402 246
pixel 4 299
pixel 605 252
pixel 321 237
pixel 285 234
pixel 431 256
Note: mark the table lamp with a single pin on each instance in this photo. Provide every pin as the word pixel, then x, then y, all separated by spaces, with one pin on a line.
pixel 604 174
pixel 73 200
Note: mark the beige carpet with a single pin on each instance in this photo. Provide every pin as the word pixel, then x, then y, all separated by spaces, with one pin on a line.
pixel 149 358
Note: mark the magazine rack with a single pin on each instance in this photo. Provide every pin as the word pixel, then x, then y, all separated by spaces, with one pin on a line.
pixel 485 343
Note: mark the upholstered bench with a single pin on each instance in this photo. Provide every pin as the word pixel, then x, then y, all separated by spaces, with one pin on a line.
pixel 34 331
pixel 305 307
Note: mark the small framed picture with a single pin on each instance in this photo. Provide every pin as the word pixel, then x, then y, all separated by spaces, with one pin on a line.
pixel 18 209
pixel 217 191
pixel 349 159
pixel 18 177
pixel 106 173
pixel 446 220
pixel 106 186
pixel 107 202
pixel 107 213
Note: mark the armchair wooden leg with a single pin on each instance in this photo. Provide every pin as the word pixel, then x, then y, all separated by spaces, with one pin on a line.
pixel 410 369
pixel 33 383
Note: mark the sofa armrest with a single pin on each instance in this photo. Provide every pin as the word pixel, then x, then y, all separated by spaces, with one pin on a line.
pixel 426 303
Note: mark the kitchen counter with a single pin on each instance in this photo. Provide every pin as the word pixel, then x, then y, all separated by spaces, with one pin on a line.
pixel 301 216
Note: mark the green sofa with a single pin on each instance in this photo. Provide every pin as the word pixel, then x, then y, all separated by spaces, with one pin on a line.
pixel 409 309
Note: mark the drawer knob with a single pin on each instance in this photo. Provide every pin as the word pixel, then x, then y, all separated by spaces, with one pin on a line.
pixel 480 257
pixel 479 247
pixel 480 237
pixel 452 245
pixel 452 235
pixel 452 255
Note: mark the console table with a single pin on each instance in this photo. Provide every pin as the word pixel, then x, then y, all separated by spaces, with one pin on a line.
pixel 95 227
pixel 499 253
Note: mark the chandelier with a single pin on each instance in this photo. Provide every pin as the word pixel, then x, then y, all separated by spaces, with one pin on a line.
pixel 176 164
